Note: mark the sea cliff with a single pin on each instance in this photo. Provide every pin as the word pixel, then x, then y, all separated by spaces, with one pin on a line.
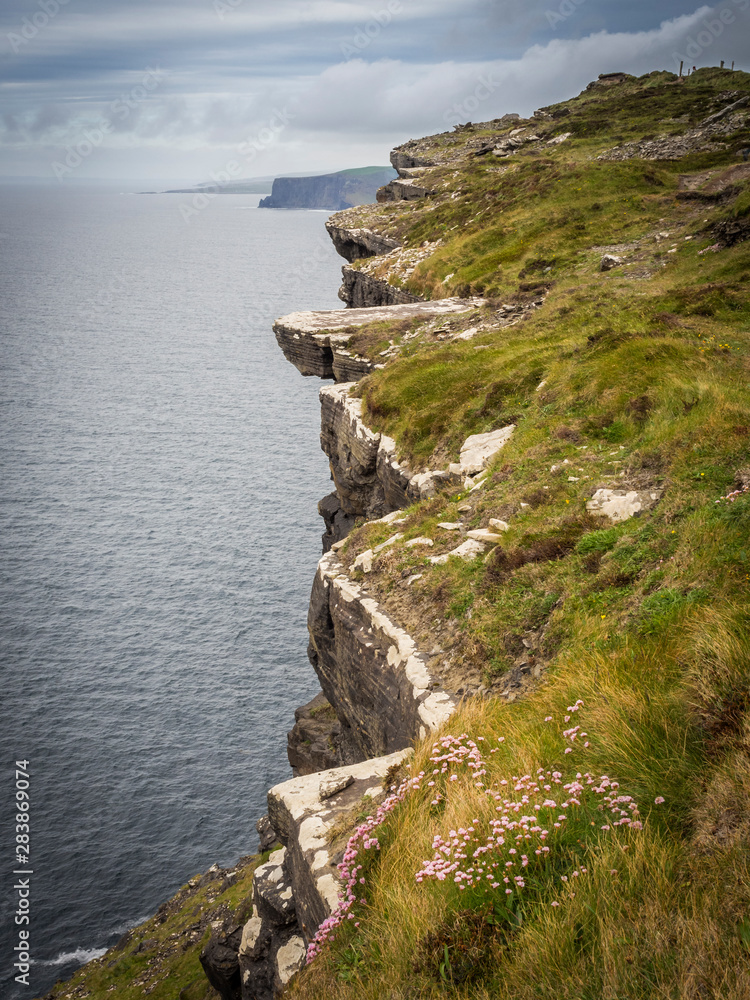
pixel 529 622
pixel 327 191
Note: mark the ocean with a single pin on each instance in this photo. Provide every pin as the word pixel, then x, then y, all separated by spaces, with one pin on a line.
pixel 160 469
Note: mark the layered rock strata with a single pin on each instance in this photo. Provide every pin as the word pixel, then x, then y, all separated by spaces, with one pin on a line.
pixel 370 480
pixel 298 887
pixel 305 812
pixel 369 667
pixel 353 244
pixel 318 343
pixel 360 290
pixel 405 189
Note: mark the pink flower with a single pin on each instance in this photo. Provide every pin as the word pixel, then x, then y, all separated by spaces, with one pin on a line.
pixel 658 800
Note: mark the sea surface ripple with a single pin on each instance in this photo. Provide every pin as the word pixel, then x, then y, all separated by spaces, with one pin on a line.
pixel 159 474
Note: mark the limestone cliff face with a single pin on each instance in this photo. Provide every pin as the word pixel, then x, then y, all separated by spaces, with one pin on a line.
pixel 316 345
pixel 360 290
pixel 369 667
pixel 353 244
pixel 378 694
pixel 332 191
pixel 369 480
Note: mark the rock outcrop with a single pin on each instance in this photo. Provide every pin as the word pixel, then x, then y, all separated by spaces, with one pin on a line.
pixel 361 290
pixel 316 741
pixel 705 137
pixel 298 887
pixel 369 478
pixel 305 811
pixel 369 667
pixel 319 343
pixel 353 244
pixel 404 189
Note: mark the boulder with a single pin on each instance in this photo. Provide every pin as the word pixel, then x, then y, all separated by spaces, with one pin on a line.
pixel 478 450
pixel 619 505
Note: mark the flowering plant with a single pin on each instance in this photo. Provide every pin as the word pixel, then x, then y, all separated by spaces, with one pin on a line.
pixel 541 821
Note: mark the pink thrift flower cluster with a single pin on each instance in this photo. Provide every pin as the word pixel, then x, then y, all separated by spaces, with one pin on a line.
pixel 533 810
pixel 731 497
pixel 498 855
pixel 349 870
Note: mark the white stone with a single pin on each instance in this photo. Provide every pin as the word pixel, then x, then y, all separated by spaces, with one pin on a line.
pixel 559 138
pixel 393 518
pixel 499 525
pixel 619 505
pixel 479 449
pixel 467 551
pixel 424 484
pixel 391 541
pixel 250 934
pixel 364 561
pixel 449 525
pixel 608 261
pixel 484 535
pixel 289 958
pixel 478 484
pixel 338 545
pixel 419 541
pixel 413 579
pixel 332 786
pixel 300 795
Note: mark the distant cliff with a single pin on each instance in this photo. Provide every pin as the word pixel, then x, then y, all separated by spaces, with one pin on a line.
pixel 338 191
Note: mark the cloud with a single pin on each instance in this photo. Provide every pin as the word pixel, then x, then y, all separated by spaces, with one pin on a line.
pixel 349 84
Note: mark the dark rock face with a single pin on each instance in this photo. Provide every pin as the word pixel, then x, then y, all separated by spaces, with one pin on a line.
pixel 401 190
pixel 314 743
pixel 266 833
pixel 360 290
pixel 368 667
pixel 401 160
pixel 338 522
pixel 221 963
pixel 353 244
pixel 370 481
pixel 330 191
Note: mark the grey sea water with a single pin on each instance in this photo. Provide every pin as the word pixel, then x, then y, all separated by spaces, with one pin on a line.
pixel 159 475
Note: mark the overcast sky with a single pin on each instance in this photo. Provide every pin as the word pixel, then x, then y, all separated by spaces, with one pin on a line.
pixel 167 89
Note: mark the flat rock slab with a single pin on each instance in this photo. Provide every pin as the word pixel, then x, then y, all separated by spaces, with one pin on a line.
pixel 485 535
pixel 619 505
pixel 467 551
pixel 311 322
pixel 478 450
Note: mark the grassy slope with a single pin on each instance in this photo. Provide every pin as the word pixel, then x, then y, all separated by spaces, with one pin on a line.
pixel 646 385
pixel 160 958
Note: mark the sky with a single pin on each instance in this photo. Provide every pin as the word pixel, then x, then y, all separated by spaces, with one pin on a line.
pixel 193 90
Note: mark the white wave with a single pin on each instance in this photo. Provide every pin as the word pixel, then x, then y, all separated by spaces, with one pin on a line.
pixel 128 925
pixel 80 955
